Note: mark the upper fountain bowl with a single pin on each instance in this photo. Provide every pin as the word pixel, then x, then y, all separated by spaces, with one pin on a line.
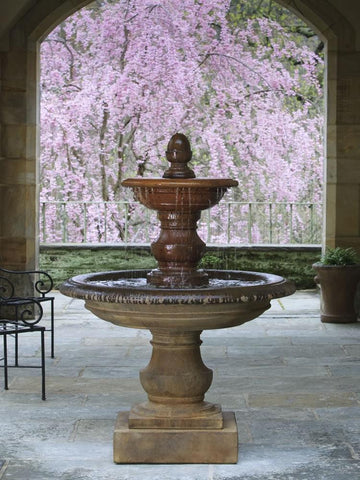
pixel 178 190
pixel 184 195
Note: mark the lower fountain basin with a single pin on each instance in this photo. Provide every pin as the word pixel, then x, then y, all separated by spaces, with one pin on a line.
pixel 123 298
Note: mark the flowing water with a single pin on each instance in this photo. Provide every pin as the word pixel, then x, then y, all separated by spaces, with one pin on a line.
pixel 141 283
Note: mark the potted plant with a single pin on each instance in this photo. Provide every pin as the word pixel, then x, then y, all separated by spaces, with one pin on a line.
pixel 338 274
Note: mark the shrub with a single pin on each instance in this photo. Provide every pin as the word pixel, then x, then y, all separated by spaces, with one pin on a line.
pixel 340 256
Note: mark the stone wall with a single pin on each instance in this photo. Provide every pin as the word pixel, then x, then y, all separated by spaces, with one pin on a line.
pixel 64 261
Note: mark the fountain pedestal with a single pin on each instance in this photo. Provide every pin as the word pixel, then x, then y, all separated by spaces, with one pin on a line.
pixel 176 420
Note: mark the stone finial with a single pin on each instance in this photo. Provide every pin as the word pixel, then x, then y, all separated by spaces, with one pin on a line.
pixel 179 153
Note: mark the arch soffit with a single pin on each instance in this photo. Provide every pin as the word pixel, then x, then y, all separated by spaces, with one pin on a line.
pixel 326 21
pixel 324 18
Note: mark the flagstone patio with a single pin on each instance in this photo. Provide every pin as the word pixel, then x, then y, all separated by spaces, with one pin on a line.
pixel 293 383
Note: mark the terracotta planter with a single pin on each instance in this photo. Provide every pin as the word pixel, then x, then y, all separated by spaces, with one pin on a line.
pixel 338 292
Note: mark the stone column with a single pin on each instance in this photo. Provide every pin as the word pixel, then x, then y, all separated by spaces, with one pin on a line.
pixel 343 176
pixel 18 152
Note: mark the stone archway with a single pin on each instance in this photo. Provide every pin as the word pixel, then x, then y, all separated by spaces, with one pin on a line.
pixel 19 149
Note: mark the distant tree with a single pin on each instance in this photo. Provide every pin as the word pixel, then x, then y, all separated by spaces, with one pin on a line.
pixel 120 77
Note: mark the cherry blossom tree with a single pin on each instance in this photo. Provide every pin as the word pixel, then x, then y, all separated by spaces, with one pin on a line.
pixel 120 77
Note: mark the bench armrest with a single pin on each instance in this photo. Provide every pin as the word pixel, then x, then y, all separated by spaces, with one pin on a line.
pixel 42 281
pixel 27 311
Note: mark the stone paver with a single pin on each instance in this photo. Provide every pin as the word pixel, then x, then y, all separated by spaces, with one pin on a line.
pixel 293 383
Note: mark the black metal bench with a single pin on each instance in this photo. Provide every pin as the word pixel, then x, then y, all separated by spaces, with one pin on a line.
pixel 37 283
pixel 28 313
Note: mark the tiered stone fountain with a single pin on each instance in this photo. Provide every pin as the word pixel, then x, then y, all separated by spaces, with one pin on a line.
pixel 176 302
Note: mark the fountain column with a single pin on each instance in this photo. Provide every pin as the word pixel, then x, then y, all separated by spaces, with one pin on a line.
pixel 176 381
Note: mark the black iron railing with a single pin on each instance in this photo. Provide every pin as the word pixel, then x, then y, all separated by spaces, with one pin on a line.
pixel 228 223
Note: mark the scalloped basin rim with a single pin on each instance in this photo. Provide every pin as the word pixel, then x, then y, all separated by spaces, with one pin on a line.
pixel 259 287
pixel 180 182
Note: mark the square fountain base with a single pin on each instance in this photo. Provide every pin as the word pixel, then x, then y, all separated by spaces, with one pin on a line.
pixel 142 445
